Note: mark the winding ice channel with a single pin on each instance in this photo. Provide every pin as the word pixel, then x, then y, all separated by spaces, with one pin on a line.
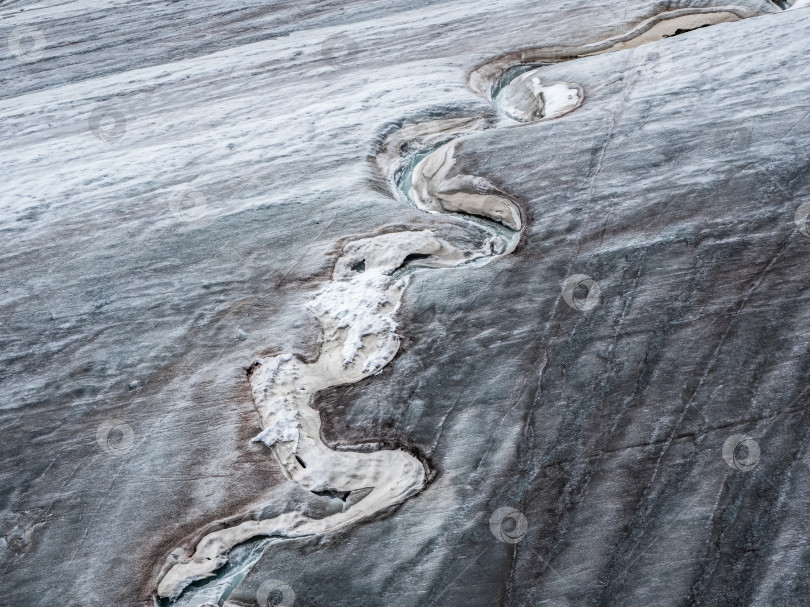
pixel 357 311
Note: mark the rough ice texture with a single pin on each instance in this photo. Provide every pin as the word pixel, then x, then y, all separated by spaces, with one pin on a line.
pixel 674 185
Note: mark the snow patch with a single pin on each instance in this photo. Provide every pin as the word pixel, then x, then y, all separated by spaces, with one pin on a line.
pixel 357 303
pixel 282 429
pixel 558 98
